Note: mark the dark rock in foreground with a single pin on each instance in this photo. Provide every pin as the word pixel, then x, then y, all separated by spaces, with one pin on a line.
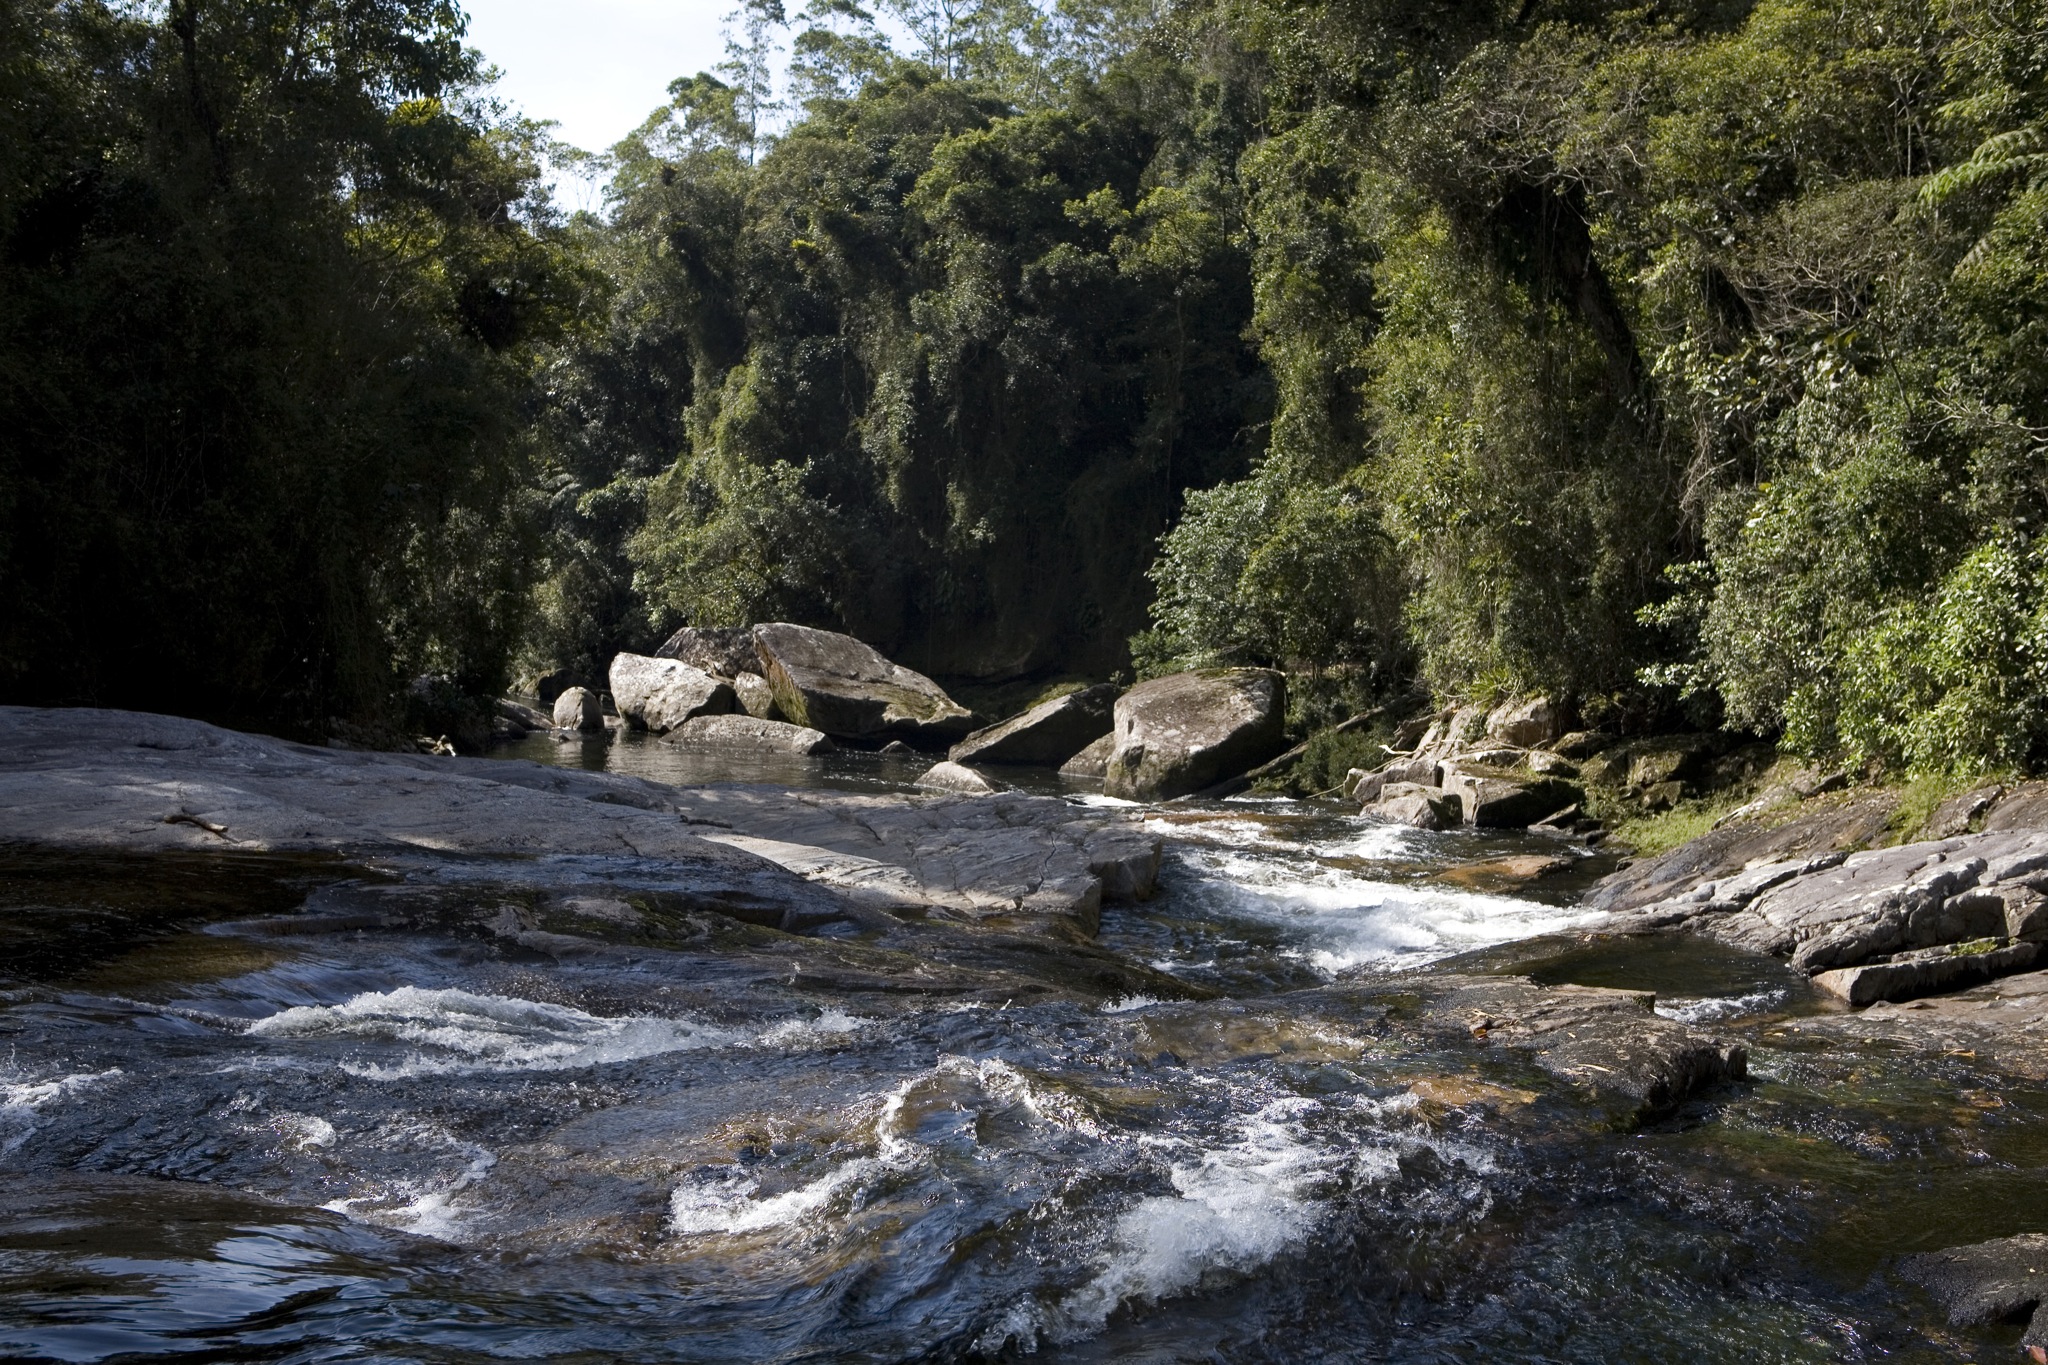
pixel 1179 734
pixel 1608 1041
pixel 1989 1282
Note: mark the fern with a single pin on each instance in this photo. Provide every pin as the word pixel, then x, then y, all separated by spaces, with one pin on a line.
pixel 2017 151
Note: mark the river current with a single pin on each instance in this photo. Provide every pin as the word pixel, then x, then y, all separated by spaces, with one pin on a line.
pixel 219 1144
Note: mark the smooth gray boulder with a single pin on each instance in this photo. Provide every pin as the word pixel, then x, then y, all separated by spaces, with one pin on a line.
pixel 834 683
pixel 1411 803
pixel 756 697
pixel 1179 734
pixel 723 653
pixel 1091 762
pixel 578 709
pixel 660 694
pixel 1048 734
pixel 749 733
pixel 1526 723
pixel 956 777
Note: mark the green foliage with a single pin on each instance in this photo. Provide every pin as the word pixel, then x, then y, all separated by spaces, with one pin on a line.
pixel 935 369
pixel 272 284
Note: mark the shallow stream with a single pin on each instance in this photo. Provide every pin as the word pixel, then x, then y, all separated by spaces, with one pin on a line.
pixel 219 1142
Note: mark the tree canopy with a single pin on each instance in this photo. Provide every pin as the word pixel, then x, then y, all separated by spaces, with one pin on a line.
pixel 1682 359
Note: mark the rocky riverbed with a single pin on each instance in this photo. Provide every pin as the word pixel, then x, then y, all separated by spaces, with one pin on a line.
pixel 324 1055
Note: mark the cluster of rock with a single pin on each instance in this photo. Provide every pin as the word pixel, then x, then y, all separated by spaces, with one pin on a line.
pixel 1867 925
pixel 1510 767
pixel 797 690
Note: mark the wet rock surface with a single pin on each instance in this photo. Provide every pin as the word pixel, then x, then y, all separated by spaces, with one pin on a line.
pixel 1609 1041
pixel 1996 1281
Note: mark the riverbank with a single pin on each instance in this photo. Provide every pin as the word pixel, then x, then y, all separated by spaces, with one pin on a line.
pixel 469 1048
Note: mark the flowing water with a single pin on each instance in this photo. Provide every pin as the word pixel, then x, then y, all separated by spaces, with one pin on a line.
pixel 222 1142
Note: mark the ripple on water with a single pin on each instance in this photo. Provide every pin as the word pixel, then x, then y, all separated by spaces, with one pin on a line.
pixel 456 1031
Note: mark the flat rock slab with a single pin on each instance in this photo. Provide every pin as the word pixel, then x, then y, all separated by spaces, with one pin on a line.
pixel 1840 827
pixel 127 781
pixel 1829 911
pixel 1928 973
pixel 1005 858
pixel 750 733
pixel 1610 1041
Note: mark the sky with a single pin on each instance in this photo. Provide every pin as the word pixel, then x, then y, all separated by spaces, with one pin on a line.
pixel 596 67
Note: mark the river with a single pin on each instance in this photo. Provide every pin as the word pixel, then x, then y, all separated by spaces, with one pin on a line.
pixel 219 1144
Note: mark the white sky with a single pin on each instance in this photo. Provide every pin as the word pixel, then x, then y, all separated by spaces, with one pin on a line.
pixel 596 67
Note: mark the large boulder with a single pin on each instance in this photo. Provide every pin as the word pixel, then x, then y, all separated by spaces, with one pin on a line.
pixel 1048 734
pixel 578 709
pixel 1411 803
pixel 721 653
pixel 1526 723
pixel 660 694
pixel 1179 734
pixel 1093 761
pixel 756 697
pixel 834 683
pixel 1494 798
pixel 750 733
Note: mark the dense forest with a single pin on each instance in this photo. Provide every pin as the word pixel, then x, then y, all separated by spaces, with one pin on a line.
pixel 1688 360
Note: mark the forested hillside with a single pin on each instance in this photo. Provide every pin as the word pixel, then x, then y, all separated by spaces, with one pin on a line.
pixel 1689 360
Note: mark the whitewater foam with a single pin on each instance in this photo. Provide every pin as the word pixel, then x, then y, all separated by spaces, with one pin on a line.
pixel 1340 921
pixel 23 1099
pixel 457 1032
pixel 1711 1008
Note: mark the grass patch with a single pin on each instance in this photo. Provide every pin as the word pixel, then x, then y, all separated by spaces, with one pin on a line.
pixel 1921 796
pixel 1660 833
